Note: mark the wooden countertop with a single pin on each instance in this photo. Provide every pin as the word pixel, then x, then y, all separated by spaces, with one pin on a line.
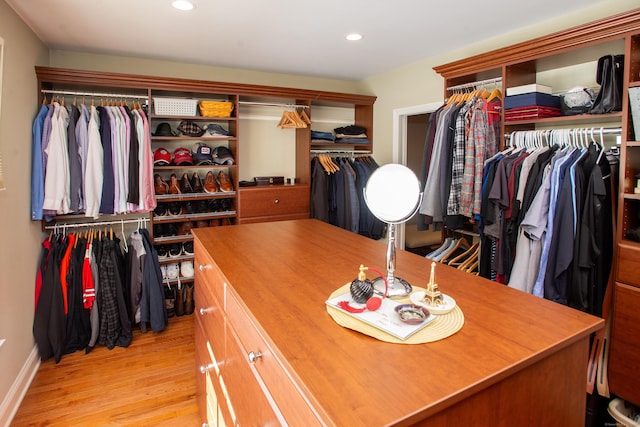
pixel 284 272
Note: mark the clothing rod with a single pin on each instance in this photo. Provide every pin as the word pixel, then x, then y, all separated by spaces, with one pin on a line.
pixel 474 84
pixel 272 104
pixel 596 130
pixel 339 152
pixel 96 224
pixel 93 94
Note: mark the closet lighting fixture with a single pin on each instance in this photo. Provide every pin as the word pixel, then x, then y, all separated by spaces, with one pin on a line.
pixel 182 5
pixel 353 37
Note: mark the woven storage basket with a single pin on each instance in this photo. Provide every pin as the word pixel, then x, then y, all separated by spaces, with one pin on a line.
pixel 216 108
pixel 175 106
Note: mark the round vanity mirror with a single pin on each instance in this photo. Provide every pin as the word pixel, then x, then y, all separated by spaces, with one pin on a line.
pixel 393 195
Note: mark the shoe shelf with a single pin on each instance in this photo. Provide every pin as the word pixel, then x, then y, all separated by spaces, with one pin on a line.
pixel 172 239
pixel 173 282
pixel 193 216
pixel 169 260
pixel 194 196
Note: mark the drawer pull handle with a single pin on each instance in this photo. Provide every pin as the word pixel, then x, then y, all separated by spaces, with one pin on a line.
pixel 204 267
pixel 253 357
pixel 276 201
pixel 204 310
pixel 204 369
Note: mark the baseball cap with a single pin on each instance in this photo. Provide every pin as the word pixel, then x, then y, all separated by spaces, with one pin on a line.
pixel 214 129
pixel 182 156
pixel 202 154
pixel 161 157
pixel 222 156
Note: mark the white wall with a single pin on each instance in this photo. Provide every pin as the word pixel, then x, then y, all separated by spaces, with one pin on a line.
pixel 19 237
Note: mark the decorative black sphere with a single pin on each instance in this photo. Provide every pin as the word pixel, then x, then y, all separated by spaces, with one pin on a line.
pixel 361 290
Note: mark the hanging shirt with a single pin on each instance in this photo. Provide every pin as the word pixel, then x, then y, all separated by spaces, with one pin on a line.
pixel 37 167
pixel 94 172
pixel 56 185
pixel 82 140
pixel 146 174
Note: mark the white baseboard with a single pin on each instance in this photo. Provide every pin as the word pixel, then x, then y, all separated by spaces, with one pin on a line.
pixel 16 393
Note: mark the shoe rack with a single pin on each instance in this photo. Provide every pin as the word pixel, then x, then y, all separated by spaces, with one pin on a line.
pixel 190 195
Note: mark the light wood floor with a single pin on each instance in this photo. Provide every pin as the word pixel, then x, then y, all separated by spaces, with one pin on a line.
pixel 151 383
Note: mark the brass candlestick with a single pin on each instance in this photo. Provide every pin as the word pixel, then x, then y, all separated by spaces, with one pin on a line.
pixel 432 295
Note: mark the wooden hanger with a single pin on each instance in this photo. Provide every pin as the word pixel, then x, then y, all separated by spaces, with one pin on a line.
pixel 305 118
pixel 460 242
pixel 494 94
pixel 460 259
pixel 471 259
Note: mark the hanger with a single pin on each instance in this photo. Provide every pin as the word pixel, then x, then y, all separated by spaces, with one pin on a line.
pixel 460 259
pixel 495 93
pixel 124 238
pixel 471 260
pixel 305 118
pixel 461 241
pixel 601 145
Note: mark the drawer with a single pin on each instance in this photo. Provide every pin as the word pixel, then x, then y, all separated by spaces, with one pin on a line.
pixel 210 316
pixel 628 264
pixel 210 392
pixel 207 274
pixel 267 367
pixel 624 357
pixel 274 201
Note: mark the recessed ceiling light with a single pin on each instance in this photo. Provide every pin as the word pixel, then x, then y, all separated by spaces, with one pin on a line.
pixel 353 37
pixel 182 5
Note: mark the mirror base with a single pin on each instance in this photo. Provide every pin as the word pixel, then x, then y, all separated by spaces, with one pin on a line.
pixel 399 287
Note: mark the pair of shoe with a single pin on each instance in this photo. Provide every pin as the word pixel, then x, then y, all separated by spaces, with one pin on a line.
pixel 170 271
pixel 184 300
pixel 216 183
pixel 168 209
pixel 174 270
pixel 175 250
pixel 191 185
pixel 160 185
pixel 174 185
pixel 165 230
pixel 179 300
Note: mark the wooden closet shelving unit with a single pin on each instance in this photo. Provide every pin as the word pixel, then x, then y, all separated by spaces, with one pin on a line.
pixel 251 204
pixel 520 64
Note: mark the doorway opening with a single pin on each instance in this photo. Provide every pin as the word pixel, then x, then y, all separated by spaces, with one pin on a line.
pixel 409 134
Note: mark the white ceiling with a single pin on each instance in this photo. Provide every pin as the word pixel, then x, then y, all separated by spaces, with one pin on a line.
pixel 290 36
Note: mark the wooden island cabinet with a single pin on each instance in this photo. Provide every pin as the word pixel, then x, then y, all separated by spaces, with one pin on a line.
pixel 270 354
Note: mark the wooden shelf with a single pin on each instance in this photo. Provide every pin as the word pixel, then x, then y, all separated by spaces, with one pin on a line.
pixel 570 120
pixel 193 217
pixel 188 197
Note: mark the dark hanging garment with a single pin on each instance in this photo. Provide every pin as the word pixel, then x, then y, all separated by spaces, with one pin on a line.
pixel 153 310
pixel 108 180
pixel 49 319
pixel 78 330
pixel 319 203
pixel 133 195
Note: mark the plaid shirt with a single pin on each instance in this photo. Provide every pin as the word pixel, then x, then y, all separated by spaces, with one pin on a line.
pixel 480 144
pixel 457 163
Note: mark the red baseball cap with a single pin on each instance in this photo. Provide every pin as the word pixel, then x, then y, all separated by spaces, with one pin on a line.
pixel 161 157
pixel 182 156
